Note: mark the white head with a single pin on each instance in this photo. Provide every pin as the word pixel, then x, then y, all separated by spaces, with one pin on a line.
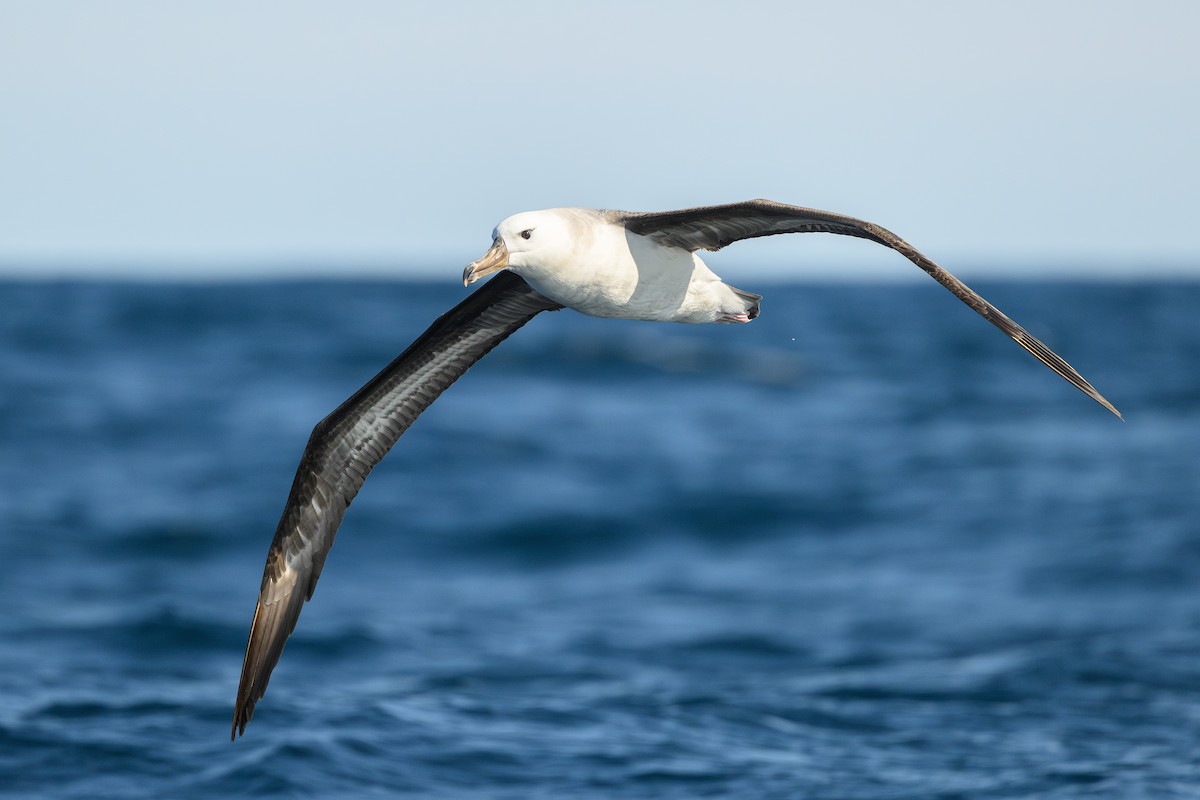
pixel 533 243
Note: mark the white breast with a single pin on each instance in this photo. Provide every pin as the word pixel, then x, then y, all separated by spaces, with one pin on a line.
pixel 616 274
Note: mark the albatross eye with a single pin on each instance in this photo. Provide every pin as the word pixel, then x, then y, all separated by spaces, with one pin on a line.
pixel 525 234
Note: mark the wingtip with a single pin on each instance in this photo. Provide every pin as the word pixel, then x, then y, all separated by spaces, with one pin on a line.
pixel 247 696
pixel 242 712
pixel 1102 400
pixel 1091 392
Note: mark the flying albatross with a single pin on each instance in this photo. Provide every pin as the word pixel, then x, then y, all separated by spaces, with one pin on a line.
pixel 604 263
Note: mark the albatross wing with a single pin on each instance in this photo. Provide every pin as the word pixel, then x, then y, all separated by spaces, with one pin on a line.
pixel 347 444
pixel 714 227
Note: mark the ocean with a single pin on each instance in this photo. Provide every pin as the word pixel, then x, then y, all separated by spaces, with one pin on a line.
pixel 864 547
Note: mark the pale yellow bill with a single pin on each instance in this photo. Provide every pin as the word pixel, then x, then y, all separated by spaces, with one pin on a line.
pixel 494 260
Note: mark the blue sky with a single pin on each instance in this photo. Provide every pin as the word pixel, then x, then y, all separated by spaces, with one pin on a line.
pixel 221 138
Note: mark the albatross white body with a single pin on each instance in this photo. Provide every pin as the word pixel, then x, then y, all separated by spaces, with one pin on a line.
pixel 584 260
pixel 618 264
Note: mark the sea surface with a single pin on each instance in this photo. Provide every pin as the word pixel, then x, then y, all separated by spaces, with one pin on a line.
pixel 864 547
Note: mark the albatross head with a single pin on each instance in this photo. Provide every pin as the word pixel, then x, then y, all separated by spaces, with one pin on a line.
pixel 530 243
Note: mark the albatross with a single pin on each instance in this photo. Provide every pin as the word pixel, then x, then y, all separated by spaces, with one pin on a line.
pixel 619 264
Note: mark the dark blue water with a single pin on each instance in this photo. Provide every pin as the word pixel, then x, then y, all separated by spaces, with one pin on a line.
pixel 862 548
